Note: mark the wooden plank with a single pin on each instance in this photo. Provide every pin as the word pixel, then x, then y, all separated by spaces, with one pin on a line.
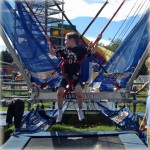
pixel 132 141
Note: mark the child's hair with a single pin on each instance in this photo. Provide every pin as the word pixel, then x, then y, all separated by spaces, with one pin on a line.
pixel 73 35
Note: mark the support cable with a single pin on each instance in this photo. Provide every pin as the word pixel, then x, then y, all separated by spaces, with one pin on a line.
pixel 123 23
pixel 94 18
pixel 100 35
pixel 129 27
pixel 131 22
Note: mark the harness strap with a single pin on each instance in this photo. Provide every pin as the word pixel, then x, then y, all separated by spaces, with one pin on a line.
pixel 67 62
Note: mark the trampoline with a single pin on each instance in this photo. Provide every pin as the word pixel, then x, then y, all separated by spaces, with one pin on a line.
pixel 102 140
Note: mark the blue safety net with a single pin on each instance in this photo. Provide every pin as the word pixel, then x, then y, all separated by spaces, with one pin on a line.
pixel 31 45
pixel 33 121
pixel 29 42
pixel 123 119
pixel 127 56
pixel 38 119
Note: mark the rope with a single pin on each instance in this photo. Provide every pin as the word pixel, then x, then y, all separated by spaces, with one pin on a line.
pixel 125 32
pixel 131 22
pixel 94 18
pixel 100 35
pixel 129 25
pixel 123 23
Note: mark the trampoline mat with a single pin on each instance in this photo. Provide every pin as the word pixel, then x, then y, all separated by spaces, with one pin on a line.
pixel 88 143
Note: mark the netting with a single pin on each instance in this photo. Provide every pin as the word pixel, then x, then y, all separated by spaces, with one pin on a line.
pixel 29 42
pixel 127 56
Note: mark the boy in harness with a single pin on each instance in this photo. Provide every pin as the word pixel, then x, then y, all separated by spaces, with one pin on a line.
pixel 72 58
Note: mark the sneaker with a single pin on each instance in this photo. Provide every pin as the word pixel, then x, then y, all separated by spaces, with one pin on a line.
pixel 59 116
pixel 80 114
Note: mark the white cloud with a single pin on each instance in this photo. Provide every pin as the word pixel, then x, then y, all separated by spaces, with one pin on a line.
pixel 105 42
pixel 2 44
pixel 89 8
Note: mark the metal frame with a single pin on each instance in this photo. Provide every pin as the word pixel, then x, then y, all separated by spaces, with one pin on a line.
pixel 118 95
pixel 138 67
pixel 45 14
pixel 14 56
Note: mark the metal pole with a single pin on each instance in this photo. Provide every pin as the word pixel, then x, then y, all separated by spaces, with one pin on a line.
pixel 14 56
pixel 62 28
pixel 136 71
pixel 100 35
pixel 46 16
pixel 94 18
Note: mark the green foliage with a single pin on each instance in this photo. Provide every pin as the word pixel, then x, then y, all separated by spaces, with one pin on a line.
pixel 3 108
pixel 113 45
pixel 143 70
pixel 6 57
pixel 92 122
pixel 8 132
pixel 65 127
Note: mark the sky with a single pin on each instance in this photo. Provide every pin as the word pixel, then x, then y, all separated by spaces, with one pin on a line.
pixel 81 12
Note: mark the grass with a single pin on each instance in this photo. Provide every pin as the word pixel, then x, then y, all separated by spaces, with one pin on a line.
pixel 14 93
pixel 92 122
pixel 71 123
pixel 65 127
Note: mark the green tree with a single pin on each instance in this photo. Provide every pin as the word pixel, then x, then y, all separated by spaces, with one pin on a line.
pixel 113 45
pixel 6 57
pixel 143 70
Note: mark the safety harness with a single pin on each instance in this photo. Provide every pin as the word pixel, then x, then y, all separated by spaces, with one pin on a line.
pixel 62 63
pixel 70 60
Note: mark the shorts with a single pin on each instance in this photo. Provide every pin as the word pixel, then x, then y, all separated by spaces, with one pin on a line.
pixel 63 83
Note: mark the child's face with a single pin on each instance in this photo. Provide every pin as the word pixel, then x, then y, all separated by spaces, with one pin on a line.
pixel 68 42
